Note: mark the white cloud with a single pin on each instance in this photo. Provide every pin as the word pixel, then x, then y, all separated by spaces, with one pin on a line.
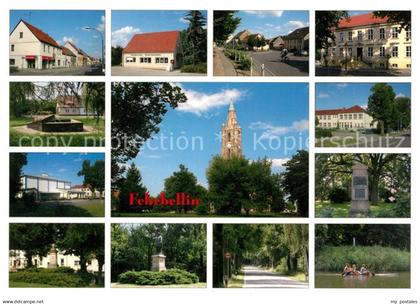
pixel 183 20
pixel 121 36
pixel 278 163
pixel 101 26
pixel 295 24
pixel 199 103
pixel 399 95
pixel 341 85
pixel 323 95
pixel 70 39
pixel 269 130
pixel 263 14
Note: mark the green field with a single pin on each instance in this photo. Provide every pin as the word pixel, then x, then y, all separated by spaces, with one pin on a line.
pixel 88 139
pixel 76 208
pixel 29 285
pixel 341 210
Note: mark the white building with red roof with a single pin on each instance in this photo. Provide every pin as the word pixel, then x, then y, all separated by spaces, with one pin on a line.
pixel 354 117
pixel 159 50
pixel 376 41
pixel 31 48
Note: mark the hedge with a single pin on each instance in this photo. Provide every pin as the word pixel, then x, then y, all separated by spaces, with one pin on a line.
pixel 168 277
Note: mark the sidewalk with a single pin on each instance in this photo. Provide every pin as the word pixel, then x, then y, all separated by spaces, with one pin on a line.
pixel 222 66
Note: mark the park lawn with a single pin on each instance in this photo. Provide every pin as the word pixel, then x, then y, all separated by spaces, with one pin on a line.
pixel 237 281
pixel 13 284
pixel 195 285
pixel 95 138
pixel 85 208
pixel 338 142
pixel 191 214
pixel 301 277
pixel 342 210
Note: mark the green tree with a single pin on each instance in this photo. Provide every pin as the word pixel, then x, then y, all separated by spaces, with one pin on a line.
pixel 94 98
pixel 381 106
pixel 255 40
pixel 195 42
pixel 132 183
pixel 402 110
pixel 20 92
pixel 83 240
pixel 182 181
pixel 325 22
pixel 401 17
pixel 137 110
pixel 224 24
pixel 33 239
pixel 94 176
pixel 16 163
pixel 296 181
pixel 116 55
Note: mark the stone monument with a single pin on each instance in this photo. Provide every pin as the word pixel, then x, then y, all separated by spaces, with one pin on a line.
pixel 158 260
pixel 52 257
pixel 359 190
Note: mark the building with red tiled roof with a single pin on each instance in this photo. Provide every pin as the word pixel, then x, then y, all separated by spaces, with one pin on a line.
pixel 375 41
pixel 31 48
pixel 159 50
pixel 82 59
pixel 355 117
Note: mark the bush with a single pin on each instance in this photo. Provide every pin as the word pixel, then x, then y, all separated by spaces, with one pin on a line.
pixel 327 212
pixel 338 195
pixel 168 277
pixel 319 133
pixel 194 68
pixel 378 258
pixel 245 63
pixel 59 277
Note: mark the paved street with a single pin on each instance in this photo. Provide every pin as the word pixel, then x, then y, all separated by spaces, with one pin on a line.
pixel 295 66
pixel 255 277
pixel 73 71
pixel 132 71
pixel 222 66
pixel 336 71
pixel 395 140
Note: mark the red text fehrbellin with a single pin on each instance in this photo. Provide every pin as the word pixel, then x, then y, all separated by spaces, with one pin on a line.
pixel 181 199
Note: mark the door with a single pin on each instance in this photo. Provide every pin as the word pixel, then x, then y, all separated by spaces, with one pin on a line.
pixel 359 53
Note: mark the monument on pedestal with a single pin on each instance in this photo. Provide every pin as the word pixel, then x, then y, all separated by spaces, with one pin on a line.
pixel 52 257
pixel 158 260
pixel 359 190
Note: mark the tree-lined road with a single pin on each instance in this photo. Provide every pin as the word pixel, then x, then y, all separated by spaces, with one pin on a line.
pixel 295 66
pixel 255 277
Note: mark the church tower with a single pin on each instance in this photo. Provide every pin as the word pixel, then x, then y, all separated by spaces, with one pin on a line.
pixel 231 135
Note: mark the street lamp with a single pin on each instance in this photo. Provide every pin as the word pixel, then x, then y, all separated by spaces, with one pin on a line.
pixel 89 28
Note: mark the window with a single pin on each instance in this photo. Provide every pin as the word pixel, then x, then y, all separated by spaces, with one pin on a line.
pixel 45 47
pixel 395 51
pixel 408 35
pixel 382 33
pixel 62 262
pixel 382 51
pixel 350 36
pixel 360 116
pixel 20 35
pixel 345 116
pixel 359 35
pixel 394 32
pixel 370 51
pixel 341 52
pixel 145 60
pixel 408 66
pixel 76 263
pixel 408 51
pixel 12 48
pixel 350 52
pixel 370 34
pixel 395 65
pixel 341 37
pixel 341 116
pixel 12 62
pixel 58 62
pixel 130 59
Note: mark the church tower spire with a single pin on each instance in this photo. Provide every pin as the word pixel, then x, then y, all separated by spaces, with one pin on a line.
pixel 231 135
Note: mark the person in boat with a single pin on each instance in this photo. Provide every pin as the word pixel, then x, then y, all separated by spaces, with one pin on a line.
pixel 354 270
pixel 347 270
pixel 365 271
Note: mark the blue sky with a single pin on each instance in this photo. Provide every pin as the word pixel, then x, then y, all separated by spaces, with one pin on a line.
pixel 272 23
pixel 66 25
pixel 338 95
pixel 127 23
pixel 63 166
pixel 271 115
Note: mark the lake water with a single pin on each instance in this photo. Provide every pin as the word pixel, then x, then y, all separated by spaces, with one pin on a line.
pixel 385 280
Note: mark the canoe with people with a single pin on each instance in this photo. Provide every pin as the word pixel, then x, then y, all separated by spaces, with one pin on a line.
pixel 353 271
